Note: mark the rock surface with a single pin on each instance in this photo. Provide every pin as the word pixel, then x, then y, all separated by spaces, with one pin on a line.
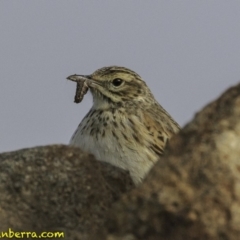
pixel 193 192
pixel 55 188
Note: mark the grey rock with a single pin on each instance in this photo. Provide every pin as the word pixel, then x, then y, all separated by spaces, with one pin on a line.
pixel 193 192
pixel 57 188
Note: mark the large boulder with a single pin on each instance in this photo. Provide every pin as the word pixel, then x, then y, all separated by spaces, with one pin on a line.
pixel 57 188
pixel 193 192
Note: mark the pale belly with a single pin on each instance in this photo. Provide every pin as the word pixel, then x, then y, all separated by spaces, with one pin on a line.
pixel 111 147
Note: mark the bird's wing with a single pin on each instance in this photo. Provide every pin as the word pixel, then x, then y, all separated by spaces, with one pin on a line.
pixel 160 126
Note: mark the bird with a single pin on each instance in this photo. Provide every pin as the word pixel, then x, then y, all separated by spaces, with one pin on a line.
pixel 125 126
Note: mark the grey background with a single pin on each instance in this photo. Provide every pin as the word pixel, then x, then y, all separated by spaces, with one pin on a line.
pixel 187 51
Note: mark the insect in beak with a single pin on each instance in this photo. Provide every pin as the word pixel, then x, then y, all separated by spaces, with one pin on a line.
pixel 82 86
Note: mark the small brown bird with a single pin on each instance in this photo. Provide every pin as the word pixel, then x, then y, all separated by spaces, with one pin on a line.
pixel 126 126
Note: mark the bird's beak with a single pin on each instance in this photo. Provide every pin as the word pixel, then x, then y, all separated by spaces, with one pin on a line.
pixel 78 78
pixel 87 78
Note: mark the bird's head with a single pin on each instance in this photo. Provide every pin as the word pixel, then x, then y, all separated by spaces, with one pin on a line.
pixel 114 86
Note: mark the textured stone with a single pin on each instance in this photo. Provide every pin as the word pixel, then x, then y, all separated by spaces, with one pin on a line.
pixel 193 192
pixel 57 188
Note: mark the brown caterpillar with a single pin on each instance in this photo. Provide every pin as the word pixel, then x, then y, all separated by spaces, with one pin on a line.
pixel 81 90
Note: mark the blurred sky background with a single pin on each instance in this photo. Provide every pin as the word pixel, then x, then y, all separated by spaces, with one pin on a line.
pixel 187 51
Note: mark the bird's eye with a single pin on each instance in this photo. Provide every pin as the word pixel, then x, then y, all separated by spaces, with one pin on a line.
pixel 117 82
